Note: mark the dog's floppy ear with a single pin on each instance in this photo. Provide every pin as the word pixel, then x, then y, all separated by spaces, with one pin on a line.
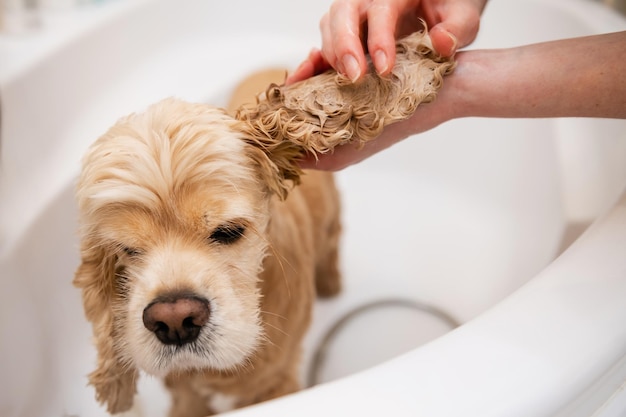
pixel 276 158
pixel 113 380
pixel 316 115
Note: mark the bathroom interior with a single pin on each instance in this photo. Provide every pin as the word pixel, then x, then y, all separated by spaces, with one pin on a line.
pixel 483 261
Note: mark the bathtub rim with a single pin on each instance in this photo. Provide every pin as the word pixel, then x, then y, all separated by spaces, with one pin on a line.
pixel 599 393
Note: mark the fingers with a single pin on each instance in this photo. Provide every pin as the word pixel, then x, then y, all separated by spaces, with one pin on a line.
pixel 457 27
pixel 453 24
pixel 382 18
pixel 444 41
pixel 341 38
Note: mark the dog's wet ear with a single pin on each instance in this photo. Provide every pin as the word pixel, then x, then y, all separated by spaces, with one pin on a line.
pixel 276 158
pixel 113 380
pixel 316 115
pixel 261 127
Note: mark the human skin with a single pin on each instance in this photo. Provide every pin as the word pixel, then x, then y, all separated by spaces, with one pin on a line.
pixel 352 27
pixel 577 77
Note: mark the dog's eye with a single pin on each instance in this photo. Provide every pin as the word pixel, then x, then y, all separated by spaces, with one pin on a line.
pixel 132 252
pixel 227 234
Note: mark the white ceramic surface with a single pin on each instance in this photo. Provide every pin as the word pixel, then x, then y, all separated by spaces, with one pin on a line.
pixel 460 218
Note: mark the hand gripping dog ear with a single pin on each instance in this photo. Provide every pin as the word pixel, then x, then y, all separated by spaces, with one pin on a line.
pixel 315 115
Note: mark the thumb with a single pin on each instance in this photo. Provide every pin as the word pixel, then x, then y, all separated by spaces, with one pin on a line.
pixel 444 42
pixel 458 28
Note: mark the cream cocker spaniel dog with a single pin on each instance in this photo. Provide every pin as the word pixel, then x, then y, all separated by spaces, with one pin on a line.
pixel 196 267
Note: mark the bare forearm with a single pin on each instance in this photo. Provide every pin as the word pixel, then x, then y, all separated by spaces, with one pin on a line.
pixel 584 77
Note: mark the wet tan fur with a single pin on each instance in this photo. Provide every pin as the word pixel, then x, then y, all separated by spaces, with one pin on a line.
pixel 162 180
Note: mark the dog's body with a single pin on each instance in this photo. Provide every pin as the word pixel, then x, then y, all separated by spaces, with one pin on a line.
pixel 194 269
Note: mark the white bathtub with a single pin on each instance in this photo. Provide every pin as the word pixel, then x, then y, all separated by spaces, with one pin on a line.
pixel 470 218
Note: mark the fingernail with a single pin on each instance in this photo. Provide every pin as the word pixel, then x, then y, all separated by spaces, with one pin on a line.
pixel 380 61
pixel 455 42
pixel 351 66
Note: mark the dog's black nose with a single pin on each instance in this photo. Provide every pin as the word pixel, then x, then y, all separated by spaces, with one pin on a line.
pixel 177 319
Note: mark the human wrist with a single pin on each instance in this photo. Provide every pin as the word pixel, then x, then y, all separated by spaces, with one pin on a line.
pixel 481 84
pixel 460 88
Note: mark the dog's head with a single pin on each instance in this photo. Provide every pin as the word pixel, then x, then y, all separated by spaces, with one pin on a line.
pixel 174 204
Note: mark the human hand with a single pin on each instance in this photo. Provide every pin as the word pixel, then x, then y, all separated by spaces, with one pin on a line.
pixel 352 27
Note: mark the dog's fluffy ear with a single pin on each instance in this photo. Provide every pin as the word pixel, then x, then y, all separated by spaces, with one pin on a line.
pixel 316 115
pixel 114 381
pixel 277 160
